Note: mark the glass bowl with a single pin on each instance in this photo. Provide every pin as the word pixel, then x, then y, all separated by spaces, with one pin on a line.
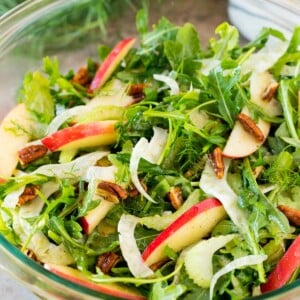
pixel 250 16
pixel 71 30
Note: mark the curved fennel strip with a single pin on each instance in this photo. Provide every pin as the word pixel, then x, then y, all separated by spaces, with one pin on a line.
pixel 44 250
pixel 74 169
pixel 220 189
pixel 169 81
pixel 150 151
pixel 201 254
pixel 245 261
pixel 129 248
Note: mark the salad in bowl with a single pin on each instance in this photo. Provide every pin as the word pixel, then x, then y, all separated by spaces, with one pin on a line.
pixel 164 169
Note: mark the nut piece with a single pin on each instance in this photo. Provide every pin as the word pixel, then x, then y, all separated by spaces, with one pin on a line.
pixel 107 261
pixel 31 153
pixel 292 214
pixel 82 77
pixel 29 194
pixel 111 191
pixel 250 126
pixel 133 192
pixel 270 91
pixel 136 91
pixel 216 160
pixel 175 196
pixel 30 254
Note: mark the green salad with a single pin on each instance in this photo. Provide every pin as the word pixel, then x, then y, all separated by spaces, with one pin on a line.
pixel 162 170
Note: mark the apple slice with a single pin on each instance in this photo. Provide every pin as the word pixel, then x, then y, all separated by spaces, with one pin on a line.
pixel 94 216
pixel 240 142
pixel 14 135
pixel 82 136
pixel 117 290
pixel 110 63
pixel 284 269
pixel 191 226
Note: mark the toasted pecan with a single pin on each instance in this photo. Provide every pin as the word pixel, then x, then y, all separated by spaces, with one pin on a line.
pixel 111 191
pixel 30 193
pixel 82 77
pixel 175 196
pixel 249 125
pixel 270 91
pixel 217 163
pixel 292 214
pixel 31 153
pixel 136 90
pixel 107 261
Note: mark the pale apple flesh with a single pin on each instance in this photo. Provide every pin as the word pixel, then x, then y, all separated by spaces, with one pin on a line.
pixel 80 136
pixel 77 277
pixel 110 63
pixel 95 216
pixel 241 143
pixel 190 227
pixel 14 135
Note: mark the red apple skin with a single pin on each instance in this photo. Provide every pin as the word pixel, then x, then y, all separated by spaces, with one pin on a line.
pixel 110 63
pixel 198 221
pixel 76 276
pixel 284 269
pixel 82 136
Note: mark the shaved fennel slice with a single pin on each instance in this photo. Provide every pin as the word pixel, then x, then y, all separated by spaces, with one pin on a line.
pixel 11 200
pixel 44 250
pixel 245 261
pixel 198 258
pixel 129 248
pixel 169 81
pixel 156 145
pixel 137 153
pixel 74 169
pixel 64 116
pixel 150 151
pixel 265 58
pixel 160 222
pixel 100 173
pixel 220 189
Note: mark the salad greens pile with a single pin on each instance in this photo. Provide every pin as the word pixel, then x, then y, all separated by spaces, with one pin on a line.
pixel 184 105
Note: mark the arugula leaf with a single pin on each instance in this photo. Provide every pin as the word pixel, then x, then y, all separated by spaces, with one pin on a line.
pixel 37 97
pixel 291 56
pixel 228 40
pixel 161 290
pixel 288 97
pixel 223 88
pixel 183 53
pixel 141 21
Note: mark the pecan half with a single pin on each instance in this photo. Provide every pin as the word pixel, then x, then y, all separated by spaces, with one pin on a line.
pixel 175 196
pixel 249 125
pixel 29 194
pixel 111 191
pixel 158 264
pixel 292 214
pixel 270 91
pixel 82 77
pixel 30 254
pixel 31 153
pixel 133 192
pixel 136 91
pixel 107 261
pixel 217 163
